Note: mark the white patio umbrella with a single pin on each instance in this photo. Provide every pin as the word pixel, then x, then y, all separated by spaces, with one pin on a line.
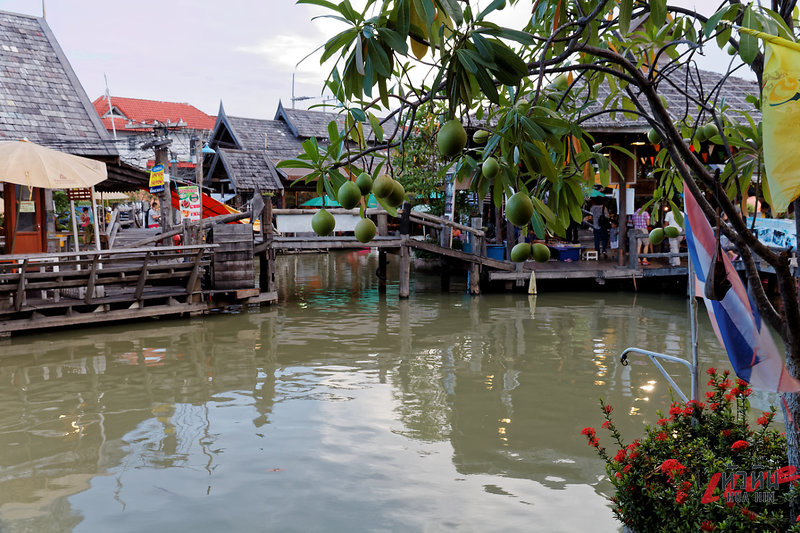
pixel 30 164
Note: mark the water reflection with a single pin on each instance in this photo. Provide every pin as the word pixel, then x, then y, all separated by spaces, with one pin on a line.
pixel 339 404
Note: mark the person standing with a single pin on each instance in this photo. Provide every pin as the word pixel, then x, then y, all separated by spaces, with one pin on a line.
pixel 600 226
pixel 674 242
pixel 86 225
pixel 641 219
pixel 153 215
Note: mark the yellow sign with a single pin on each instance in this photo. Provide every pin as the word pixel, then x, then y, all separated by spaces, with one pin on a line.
pixel 157 179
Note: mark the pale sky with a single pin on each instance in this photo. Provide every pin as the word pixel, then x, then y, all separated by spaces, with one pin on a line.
pixel 240 52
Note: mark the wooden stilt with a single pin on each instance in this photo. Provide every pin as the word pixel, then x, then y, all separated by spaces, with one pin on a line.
pixel 405 268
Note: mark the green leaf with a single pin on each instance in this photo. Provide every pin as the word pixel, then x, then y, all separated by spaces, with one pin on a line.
pixel 388 208
pixel 311 148
pixel 658 12
pixel 537 225
pixel 625 10
pixel 376 127
pixel 453 9
pixel 748 45
pixel 294 163
pixel 403 19
pixel 542 208
pixel 321 3
pixel 394 40
pixel 711 25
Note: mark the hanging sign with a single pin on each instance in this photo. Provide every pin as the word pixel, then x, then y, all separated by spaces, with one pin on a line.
pixel 157 179
pixel 27 206
pixel 189 202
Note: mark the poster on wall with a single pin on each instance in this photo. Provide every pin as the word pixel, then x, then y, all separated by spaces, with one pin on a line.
pixel 774 232
pixel 189 202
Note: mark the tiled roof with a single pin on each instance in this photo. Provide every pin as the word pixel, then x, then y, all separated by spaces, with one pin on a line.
pixel 307 123
pixel 250 169
pixel 138 110
pixel 252 133
pixel 40 95
pixel 733 93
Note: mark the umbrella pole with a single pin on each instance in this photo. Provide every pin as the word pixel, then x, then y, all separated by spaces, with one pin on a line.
pixel 75 242
pixel 96 220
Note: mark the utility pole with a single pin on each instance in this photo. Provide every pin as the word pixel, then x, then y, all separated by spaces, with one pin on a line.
pixel 160 144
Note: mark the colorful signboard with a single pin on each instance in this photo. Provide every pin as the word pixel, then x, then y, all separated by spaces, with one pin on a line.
pixel 157 179
pixel 189 202
pixel 775 232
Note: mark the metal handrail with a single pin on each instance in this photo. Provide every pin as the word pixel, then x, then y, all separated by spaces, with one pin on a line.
pixel 654 356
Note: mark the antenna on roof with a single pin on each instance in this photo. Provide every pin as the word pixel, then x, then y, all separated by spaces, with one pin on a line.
pixel 108 99
pixel 44 11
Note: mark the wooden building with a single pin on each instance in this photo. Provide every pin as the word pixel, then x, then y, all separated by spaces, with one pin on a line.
pixel 279 139
pixel 43 101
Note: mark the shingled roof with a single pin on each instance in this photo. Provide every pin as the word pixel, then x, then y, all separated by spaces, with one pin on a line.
pixel 732 93
pixel 248 170
pixel 305 123
pixel 42 98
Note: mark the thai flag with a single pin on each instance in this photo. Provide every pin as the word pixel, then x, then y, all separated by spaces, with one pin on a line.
pixel 750 346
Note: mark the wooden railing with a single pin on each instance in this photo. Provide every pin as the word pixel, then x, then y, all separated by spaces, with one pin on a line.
pixel 51 280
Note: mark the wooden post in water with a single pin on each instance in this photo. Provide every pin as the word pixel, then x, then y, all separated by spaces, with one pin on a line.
pixel 405 251
pixel 475 268
pixel 405 267
pixel 267 258
pixel 633 248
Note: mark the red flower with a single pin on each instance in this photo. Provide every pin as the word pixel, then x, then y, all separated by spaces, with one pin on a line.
pixel 742 384
pixel 725 384
pixel 739 445
pixel 714 406
pixel 707 525
pixel 749 514
pixel 711 371
pixel 633 445
pixel 605 425
pixel 620 457
pixel 672 467
pixel 674 410
pixel 589 432
pixel 709 395
pixel 681 497
pixel 726 432
pixel 662 436
pixel 764 420
pixel 688 411
pixel 747 392
pixel 633 455
pixel 607 408
pixel 627 468
pixel 594 442
pixel 663 421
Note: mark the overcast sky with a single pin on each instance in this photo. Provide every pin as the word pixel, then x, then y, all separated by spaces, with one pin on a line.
pixel 240 52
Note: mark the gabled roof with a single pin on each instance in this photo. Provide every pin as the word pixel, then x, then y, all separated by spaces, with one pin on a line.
pixel 255 134
pixel 41 97
pixel 306 123
pixel 138 110
pixel 248 170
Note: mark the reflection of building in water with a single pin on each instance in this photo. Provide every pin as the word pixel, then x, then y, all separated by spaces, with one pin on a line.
pixel 89 404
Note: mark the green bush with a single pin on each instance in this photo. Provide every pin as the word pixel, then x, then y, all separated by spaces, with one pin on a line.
pixel 681 475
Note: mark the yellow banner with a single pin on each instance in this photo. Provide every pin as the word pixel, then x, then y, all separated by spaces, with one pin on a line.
pixel 780 112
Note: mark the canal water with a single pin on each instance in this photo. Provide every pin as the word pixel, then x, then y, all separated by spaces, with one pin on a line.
pixel 338 409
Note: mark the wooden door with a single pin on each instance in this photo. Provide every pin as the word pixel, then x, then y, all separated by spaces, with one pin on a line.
pixel 24 219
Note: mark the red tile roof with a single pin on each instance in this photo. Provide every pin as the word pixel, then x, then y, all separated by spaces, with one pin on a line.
pixel 139 110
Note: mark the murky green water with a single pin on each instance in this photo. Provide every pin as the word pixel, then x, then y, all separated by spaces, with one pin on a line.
pixel 336 410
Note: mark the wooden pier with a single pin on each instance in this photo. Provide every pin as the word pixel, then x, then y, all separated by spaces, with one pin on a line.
pixel 215 268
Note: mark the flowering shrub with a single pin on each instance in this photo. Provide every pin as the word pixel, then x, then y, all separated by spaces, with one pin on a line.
pixel 702 467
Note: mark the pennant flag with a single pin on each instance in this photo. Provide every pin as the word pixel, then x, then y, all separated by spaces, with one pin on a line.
pixel 780 111
pixel 735 319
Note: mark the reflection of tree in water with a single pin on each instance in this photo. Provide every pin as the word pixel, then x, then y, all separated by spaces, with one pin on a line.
pixel 96 403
